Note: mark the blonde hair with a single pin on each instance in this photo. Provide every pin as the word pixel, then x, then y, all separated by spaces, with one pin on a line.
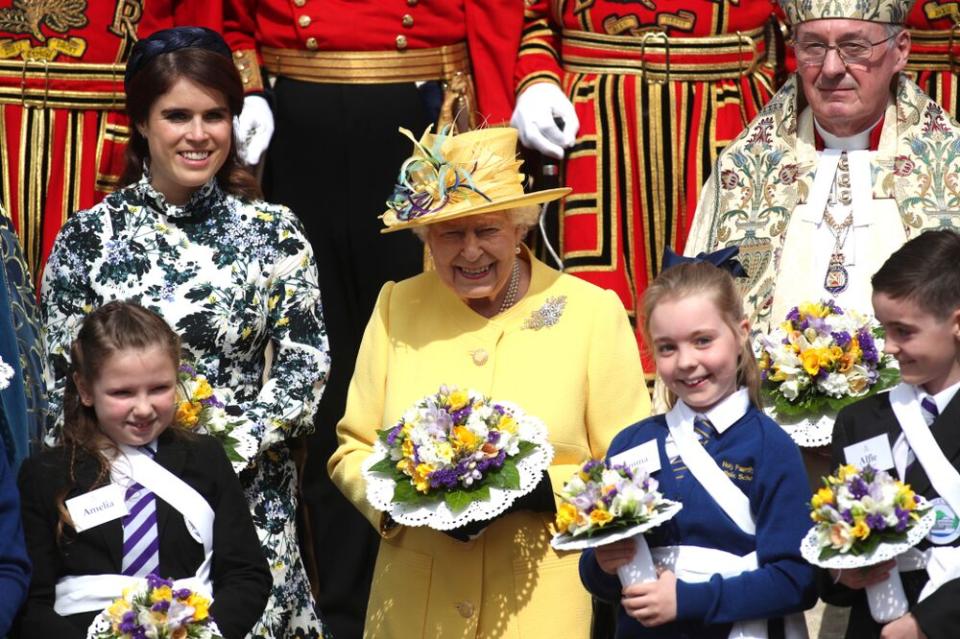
pixel 696 278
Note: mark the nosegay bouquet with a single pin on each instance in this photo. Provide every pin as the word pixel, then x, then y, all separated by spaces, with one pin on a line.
pixel 156 610
pixel 822 358
pixel 602 504
pixel 456 456
pixel 201 408
pixel 861 518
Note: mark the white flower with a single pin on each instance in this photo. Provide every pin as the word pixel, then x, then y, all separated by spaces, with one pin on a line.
pixel 790 388
pixel 6 374
pixel 834 385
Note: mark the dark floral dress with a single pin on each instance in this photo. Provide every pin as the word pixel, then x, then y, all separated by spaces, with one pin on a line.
pixel 233 278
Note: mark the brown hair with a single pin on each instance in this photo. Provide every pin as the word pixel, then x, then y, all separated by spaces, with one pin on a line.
pixel 925 271
pixel 695 278
pixel 204 68
pixel 114 327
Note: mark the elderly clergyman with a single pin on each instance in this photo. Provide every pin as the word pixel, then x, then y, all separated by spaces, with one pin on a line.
pixel 848 161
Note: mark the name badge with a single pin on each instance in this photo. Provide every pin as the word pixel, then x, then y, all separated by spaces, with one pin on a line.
pixel 946 528
pixel 874 452
pixel 643 458
pixel 97 507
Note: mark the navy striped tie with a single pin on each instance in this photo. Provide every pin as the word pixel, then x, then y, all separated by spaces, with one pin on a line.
pixel 704 431
pixel 141 544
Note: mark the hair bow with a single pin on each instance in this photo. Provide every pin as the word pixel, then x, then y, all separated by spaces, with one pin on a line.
pixel 724 258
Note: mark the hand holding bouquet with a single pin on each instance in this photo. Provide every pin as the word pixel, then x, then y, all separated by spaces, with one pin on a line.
pixel 158 610
pixel 602 504
pixel 455 457
pixel 861 518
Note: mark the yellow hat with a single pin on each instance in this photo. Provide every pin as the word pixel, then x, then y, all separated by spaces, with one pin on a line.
pixel 887 11
pixel 453 176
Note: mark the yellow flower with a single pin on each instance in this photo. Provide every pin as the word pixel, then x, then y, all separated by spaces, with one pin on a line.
pixel 266 217
pixel 406 466
pixel 203 391
pixel 457 399
pixel 188 414
pixel 407 448
pixel 906 498
pixel 600 517
pixel 464 439
pixel 566 515
pixel 823 496
pixel 118 607
pixel 860 529
pixel 421 477
pixel 272 302
pixel 245 333
pixel 283 321
pixel 846 471
pixel 163 593
pixel 811 361
pixel 507 424
pixel 200 605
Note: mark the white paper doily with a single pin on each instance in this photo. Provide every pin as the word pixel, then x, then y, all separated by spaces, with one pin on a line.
pixel 437 515
pixel 808 432
pixel 102 625
pixel 565 541
pixel 810 547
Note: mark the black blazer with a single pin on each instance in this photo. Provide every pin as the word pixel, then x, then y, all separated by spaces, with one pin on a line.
pixel 240 575
pixel 938 614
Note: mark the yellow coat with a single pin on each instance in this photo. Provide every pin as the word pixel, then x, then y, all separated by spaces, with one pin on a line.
pixel 582 376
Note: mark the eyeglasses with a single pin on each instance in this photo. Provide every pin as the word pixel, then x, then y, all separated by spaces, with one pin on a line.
pixel 850 51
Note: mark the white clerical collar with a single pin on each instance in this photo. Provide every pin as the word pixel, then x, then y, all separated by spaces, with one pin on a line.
pixel 943 398
pixel 856 142
pixel 727 413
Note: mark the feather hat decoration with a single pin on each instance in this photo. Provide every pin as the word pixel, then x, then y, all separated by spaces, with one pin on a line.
pixel 453 176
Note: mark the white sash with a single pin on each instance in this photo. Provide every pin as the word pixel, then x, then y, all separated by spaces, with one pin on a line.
pixel 86 593
pixel 696 564
pixel 941 562
pixel 703 467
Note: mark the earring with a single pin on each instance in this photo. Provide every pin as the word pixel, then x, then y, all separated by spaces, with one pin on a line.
pixel 517 250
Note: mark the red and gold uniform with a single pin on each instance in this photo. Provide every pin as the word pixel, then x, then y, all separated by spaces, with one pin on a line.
pixel 62 126
pixel 659 87
pixel 347 74
pixel 935 54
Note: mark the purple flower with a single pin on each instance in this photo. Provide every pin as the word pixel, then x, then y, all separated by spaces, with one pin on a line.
pixel 903 518
pixel 493 437
pixel 842 338
pixel 153 581
pixel 128 622
pixel 847 516
pixel 858 488
pixel 394 434
pixel 868 346
pixel 160 606
pixel 182 593
pixel 876 522
pixel 444 477
pixel 794 314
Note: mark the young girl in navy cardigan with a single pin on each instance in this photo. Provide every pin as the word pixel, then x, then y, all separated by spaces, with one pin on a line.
pixel 118 435
pixel 729 563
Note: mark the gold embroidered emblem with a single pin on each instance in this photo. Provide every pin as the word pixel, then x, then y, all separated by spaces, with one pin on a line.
pixel 28 16
pixel 547 315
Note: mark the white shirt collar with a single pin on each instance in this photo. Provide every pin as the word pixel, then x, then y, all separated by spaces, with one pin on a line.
pixel 942 399
pixel 856 142
pixel 726 413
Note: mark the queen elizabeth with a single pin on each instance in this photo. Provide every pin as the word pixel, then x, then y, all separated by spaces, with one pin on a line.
pixel 492 318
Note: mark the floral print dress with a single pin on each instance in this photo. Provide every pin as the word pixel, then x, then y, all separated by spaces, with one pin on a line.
pixel 232 277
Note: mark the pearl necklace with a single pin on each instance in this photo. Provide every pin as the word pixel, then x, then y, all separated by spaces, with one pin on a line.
pixel 512 288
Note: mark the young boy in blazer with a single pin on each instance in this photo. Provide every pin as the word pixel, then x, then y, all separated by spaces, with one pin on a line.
pixel 916 298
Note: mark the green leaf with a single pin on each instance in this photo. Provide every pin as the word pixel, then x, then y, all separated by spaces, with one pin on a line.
pixel 385 465
pixel 383 434
pixel 525 448
pixel 457 500
pixel 507 476
pixel 404 492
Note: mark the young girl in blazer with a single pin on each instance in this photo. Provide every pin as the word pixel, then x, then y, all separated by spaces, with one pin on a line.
pixel 188 518
pixel 729 563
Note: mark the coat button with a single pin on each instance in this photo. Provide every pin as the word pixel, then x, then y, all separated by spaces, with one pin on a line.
pixel 401 42
pixel 465 608
pixel 480 357
pixel 299 3
pixel 407 20
pixel 304 21
pixel 312 44
pixel 413 3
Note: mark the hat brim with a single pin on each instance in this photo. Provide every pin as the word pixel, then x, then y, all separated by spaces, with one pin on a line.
pixel 527 199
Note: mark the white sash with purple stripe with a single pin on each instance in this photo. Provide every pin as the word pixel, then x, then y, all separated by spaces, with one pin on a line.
pixel 85 593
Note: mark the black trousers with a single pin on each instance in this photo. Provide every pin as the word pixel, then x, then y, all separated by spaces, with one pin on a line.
pixel 334 159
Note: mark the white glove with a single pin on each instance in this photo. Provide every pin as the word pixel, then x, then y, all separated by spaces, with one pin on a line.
pixel 253 129
pixel 533 117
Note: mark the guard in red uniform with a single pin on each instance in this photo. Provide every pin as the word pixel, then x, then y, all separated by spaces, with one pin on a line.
pixel 657 89
pixel 62 126
pixel 935 54
pixel 347 75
